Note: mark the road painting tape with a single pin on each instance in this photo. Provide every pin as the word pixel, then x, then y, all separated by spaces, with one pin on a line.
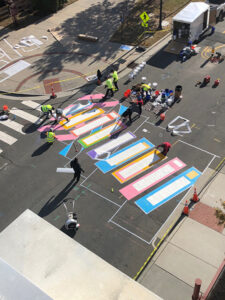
pixel 169 190
pixel 109 146
pixel 82 117
pixel 94 124
pixel 124 155
pixel 138 166
pixel 102 134
pixel 142 184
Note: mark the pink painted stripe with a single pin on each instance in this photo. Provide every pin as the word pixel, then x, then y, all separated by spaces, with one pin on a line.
pixel 65 137
pixel 47 127
pixel 92 96
pixel 130 191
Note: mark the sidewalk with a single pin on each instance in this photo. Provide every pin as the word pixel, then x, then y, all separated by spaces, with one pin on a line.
pixel 59 56
pixel 195 248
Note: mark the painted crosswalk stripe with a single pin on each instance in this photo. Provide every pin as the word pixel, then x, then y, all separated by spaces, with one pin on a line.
pixel 82 117
pixel 13 125
pixel 102 134
pixel 152 178
pixel 138 166
pixel 24 115
pixel 32 104
pixel 168 190
pixel 94 124
pixel 109 146
pixel 124 155
pixel 6 138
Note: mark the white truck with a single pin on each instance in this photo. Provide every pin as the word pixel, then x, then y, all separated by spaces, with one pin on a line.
pixel 219 6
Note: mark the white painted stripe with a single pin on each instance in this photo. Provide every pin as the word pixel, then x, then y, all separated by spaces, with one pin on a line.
pixel 6 138
pixel 139 165
pixel 124 155
pixel 12 47
pixel 32 104
pixel 153 177
pixel 16 68
pixel 89 126
pixel 107 147
pixel 1 150
pixel 168 190
pixel 83 117
pixel 101 134
pixel 13 125
pixel 24 115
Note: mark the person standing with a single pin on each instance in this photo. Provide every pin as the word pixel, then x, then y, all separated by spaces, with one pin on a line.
pixel 115 78
pixel 47 109
pixel 74 164
pixel 165 147
pixel 139 102
pixel 109 86
pixel 50 136
pixel 60 115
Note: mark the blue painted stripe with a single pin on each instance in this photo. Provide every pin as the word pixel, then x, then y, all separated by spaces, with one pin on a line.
pixel 64 151
pixel 96 129
pixel 105 167
pixel 73 110
pixel 122 109
pixel 148 207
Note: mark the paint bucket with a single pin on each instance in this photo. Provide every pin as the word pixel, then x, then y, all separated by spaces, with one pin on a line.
pixel 5 107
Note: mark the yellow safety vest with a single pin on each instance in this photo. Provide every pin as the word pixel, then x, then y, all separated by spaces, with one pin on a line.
pixel 115 76
pixel 109 83
pixel 50 137
pixel 145 87
pixel 46 108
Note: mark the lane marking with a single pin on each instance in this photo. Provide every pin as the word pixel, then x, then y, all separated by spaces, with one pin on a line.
pixel 6 138
pixel 24 115
pixel 102 134
pixel 106 148
pixel 138 166
pixel 20 55
pixel 147 181
pixel 124 155
pixel 32 104
pixel 94 124
pixel 13 125
pixel 169 190
pixel 82 117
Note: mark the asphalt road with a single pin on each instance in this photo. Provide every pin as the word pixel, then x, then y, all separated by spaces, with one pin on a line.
pixel 113 228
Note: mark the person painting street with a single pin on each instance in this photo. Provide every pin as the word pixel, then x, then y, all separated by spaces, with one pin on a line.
pixel 50 136
pixel 60 115
pixel 115 78
pixel 47 109
pixel 109 85
pixel 165 148
pixel 139 102
pixel 74 164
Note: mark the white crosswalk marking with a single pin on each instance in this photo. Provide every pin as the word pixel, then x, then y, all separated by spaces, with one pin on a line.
pixel 24 115
pixel 32 104
pixel 6 138
pixel 13 125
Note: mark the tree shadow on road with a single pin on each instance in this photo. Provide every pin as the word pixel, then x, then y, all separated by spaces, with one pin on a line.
pixel 56 201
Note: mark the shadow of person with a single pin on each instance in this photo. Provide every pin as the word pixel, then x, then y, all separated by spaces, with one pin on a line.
pixel 57 200
pixel 41 149
pixel 32 127
pixel 71 232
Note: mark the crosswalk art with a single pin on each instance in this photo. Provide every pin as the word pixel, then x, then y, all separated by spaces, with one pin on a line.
pixel 145 177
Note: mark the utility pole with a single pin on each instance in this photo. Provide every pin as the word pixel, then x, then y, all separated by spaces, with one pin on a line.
pixel 160 16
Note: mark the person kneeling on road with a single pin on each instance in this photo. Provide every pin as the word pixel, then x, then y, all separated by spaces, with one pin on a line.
pixel 60 115
pixel 165 148
pixel 50 136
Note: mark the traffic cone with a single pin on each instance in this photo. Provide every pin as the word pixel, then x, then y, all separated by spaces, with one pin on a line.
pixel 53 95
pixel 186 209
pixel 195 196
pixel 162 116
